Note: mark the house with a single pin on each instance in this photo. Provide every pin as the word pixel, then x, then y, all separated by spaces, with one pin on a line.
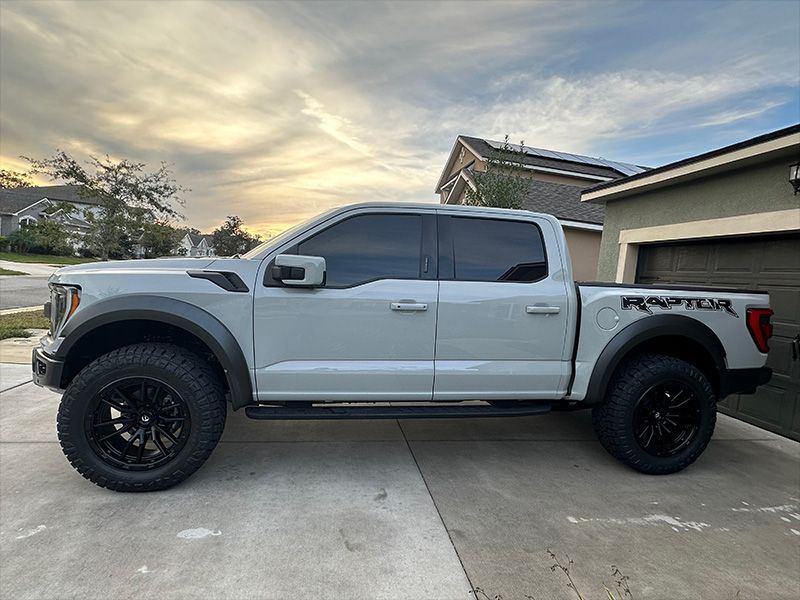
pixel 194 244
pixel 557 179
pixel 26 205
pixel 725 218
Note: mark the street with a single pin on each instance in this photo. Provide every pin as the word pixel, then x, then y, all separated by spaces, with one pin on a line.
pixel 17 291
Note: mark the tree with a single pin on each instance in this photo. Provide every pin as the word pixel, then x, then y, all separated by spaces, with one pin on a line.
pixel 128 197
pixel 504 183
pixel 45 236
pixel 21 240
pixel 51 237
pixel 230 239
pixel 14 179
pixel 160 239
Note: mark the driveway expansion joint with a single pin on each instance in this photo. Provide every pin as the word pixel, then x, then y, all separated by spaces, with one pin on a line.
pixel 436 507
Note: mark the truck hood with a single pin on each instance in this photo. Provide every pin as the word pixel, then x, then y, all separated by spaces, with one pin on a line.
pixel 115 266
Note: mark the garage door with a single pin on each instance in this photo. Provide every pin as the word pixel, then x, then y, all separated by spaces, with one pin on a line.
pixel 770 263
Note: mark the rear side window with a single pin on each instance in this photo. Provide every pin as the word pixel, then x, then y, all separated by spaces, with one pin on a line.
pixel 366 248
pixel 497 250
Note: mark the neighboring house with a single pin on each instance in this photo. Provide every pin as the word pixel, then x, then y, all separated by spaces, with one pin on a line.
pixel 726 218
pixel 194 244
pixel 557 181
pixel 26 205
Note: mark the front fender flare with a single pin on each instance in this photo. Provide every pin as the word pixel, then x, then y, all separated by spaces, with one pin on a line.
pixel 188 317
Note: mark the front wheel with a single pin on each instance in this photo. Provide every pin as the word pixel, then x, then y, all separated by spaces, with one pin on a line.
pixel 141 418
pixel 658 416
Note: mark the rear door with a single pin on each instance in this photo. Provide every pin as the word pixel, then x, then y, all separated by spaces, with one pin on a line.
pixel 503 310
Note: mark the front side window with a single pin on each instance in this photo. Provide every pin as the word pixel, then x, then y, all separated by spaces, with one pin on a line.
pixel 497 250
pixel 368 247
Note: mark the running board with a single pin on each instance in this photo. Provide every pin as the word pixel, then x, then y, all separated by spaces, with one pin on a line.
pixel 305 411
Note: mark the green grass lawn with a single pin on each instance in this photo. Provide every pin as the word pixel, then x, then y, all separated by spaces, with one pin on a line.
pixel 10 272
pixel 44 258
pixel 14 325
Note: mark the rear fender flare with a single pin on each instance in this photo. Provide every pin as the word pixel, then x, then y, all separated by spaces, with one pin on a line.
pixel 645 329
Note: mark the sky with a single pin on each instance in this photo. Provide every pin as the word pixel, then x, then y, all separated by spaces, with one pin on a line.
pixel 276 111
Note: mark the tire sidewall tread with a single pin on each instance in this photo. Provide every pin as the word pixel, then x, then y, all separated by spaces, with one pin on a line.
pixel 613 419
pixel 185 372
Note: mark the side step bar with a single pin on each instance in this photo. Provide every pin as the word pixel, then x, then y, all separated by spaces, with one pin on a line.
pixel 303 411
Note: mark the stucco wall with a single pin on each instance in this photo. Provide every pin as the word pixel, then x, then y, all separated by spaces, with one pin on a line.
pixel 760 188
pixel 584 250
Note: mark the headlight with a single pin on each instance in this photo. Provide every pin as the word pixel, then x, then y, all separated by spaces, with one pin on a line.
pixel 64 300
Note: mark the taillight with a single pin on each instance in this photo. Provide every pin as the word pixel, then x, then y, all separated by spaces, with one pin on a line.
pixel 760 327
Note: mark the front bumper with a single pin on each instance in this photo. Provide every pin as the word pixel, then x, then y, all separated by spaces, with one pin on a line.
pixel 46 370
pixel 744 381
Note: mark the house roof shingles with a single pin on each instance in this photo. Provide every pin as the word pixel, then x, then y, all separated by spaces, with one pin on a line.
pixel 563 202
pixel 13 200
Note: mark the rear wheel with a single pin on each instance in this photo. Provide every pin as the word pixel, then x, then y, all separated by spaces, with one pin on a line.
pixel 141 418
pixel 658 416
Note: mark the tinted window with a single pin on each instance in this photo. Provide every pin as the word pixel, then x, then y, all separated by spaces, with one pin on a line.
pixel 366 248
pixel 496 250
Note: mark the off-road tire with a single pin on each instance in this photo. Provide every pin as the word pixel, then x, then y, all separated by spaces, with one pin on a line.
pixel 616 418
pixel 202 398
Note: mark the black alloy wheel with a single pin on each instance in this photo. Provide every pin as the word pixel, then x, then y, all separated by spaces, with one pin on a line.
pixel 658 415
pixel 141 418
pixel 666 419
pixel 138 423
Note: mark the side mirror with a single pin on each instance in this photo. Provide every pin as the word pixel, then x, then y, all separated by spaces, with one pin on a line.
pixel 304 271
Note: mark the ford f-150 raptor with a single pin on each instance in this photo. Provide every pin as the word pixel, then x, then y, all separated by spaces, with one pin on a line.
pixel 385 311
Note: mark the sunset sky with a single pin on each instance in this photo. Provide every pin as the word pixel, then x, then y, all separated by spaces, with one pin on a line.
pixel 275 111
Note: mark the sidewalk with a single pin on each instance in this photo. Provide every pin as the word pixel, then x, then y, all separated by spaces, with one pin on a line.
pixel 30 268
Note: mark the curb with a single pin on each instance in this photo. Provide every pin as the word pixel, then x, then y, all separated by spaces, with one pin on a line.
pixel 11 311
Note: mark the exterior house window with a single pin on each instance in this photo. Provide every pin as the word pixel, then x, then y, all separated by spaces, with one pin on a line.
pixel 27 221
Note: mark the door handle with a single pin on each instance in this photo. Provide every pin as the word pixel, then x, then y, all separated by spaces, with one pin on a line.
pixel 542 310
pixel 796 347
pixel 408 306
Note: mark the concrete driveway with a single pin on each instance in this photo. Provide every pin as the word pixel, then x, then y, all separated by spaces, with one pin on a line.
pixel 408 509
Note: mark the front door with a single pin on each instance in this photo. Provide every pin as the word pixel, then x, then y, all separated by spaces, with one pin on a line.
pixel 502 313
pixel 366 334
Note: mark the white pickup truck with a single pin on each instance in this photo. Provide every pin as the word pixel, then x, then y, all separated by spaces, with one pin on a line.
pixel 385 311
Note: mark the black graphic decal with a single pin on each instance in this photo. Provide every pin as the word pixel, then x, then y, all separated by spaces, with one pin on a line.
pixel 645 304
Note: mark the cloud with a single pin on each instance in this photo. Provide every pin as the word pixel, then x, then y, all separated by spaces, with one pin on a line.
pixel 581 113
pixel 276 111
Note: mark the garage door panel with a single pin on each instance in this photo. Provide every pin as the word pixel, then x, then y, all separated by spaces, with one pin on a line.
pixel 768 263
pixel 729 260
pixel 767 407
pixel 695 260
pixel 795 431
pixel 776 260
pixel 730 404
pixel 660 261
pixel 783 301
pixel 780 360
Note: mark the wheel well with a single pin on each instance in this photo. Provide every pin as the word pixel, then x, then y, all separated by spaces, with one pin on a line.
pixel 111 336
pixel 683 348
